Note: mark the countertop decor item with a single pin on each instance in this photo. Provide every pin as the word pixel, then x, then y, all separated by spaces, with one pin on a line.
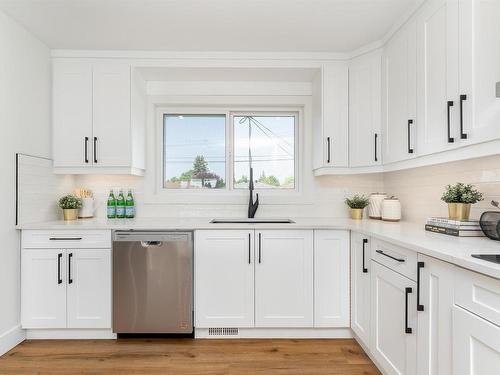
pixel 70 206
pixel 460 197
pixel 391 209
pixel 375 206
pixel 357 204
pixel 87 210
pixel 490 223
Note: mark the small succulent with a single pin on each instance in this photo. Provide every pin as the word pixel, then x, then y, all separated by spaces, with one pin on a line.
pixel 69 202
pixel 357 201
pixel 461 193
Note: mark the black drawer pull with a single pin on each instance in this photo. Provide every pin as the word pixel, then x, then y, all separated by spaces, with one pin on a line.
pixel 462 134
pixel 365 241
pixel 65 238
pixel 376 138
pixel 410 123
pixel 450 138
pixel 249 249
pixel 59 279
pixel 95 149
pixel 86 149
pixel 260 248
pixel 390 256
pixel 408 330
pixel 328 150
pixel 70 280
pixel 420 265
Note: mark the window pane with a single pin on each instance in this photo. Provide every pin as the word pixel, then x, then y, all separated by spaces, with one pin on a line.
pixel 267 143
pixel 194 151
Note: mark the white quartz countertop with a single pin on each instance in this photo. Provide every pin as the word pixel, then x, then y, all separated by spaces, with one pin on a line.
pixel 412 236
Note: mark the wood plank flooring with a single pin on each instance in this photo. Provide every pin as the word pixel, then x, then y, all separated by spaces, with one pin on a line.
pixel 186 356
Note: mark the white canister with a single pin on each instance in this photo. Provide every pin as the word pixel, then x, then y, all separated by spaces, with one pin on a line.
pixel 87 209
pixel 391 209
pixel 375 205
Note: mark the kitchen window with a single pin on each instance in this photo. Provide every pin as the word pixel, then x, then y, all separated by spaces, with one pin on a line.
pixel 218 151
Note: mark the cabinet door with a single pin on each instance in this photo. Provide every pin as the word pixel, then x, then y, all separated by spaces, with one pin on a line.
pixel 479 69
pixel 224 278
pixel 335 110
pixel 284 278
pixel 331 278
pixel 89 288
pixel 476 344
pixel 364 111
pixel 399 95
pixel 43 288
pixel 360 286
pixel 394 321
pixel 437 76
pixel 72 114
pixel 111 122
pixel 435 302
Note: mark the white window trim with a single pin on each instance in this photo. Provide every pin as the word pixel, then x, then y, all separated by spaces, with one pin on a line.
pixel 226 195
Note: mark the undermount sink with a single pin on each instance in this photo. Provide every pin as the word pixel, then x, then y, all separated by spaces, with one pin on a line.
pixel 252 221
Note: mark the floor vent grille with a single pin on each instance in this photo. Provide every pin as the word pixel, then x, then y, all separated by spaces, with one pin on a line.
pixel 223 332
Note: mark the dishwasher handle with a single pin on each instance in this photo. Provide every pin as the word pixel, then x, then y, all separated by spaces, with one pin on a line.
pixel 151 243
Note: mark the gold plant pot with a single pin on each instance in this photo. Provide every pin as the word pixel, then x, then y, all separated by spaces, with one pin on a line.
pixel 459 211
pixel 356 213
pixel 70 214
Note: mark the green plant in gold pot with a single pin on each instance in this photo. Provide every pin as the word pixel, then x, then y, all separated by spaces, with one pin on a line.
pixel 357 203
pixel 70 206
pixel 460 197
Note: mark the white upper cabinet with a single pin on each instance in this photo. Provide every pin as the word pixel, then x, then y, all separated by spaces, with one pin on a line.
pixel 330 116
pixel 399 99
pixel 364 111
pixel 99 121
pixel 284 278
pixel 479 46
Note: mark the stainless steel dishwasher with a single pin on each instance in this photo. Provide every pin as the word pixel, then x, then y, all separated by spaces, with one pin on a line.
pixel 152 282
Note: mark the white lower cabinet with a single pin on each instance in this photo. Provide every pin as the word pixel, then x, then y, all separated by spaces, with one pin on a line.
pixel 434 305
pixel 476 344
pixel 360 286
pixel 66 288
pixel 284 278
pixel 224 278
pixel 393 321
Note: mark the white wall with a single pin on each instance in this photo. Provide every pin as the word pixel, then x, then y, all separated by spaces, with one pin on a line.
pixel 25 128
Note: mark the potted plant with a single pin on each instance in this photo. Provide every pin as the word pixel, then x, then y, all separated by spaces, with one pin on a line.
pixel 357 203
pixel 459 198
pixel 70 206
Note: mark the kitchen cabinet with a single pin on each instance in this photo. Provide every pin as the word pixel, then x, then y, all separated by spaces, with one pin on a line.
pixel 360 286
pixel 399 117
pixel 63 288
pixel 224 278
pixel 284 278
pixel 365 110
pixel 331 278
pixel 330 116
pixel 476 344
pixel 393 321
pixel 435 285
pixel 98 118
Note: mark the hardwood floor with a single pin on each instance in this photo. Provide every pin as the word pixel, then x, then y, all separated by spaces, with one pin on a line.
pixel 186 356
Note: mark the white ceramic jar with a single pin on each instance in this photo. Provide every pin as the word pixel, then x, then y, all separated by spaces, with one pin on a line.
pixel 391 209
pixel 375 205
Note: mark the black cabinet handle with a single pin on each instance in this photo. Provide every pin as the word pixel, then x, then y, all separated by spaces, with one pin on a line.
pixel 249 249
pixel 420 265
pixel 462 134
pixel 86 149
pixel 365 241
pixel 410 123
pixel 95 149
pixel 59 257
pixel 390 256
pixel 407 292
pixel 376 138
pixel 328 152
pixel 70 280
pixel 65 238
pixel 260 247
pixel 450 139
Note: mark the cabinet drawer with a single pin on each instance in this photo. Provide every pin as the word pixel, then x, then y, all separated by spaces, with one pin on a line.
pixel 396 258
pixel 66 239
pixel 478 293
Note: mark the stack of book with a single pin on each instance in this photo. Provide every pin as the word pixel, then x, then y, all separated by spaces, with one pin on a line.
pixel 456 228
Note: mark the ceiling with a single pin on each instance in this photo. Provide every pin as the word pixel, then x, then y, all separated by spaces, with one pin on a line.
pixel 209 25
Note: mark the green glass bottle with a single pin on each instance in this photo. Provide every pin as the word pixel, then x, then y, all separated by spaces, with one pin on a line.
pixel 129 206
pixel 111 205
pixel 120 206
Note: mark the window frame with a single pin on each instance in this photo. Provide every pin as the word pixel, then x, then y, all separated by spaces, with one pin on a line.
pixel 211 196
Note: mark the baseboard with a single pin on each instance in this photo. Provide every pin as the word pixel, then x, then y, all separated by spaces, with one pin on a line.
pixel 11 339
pixel 274 333
pixel 70 334
pixel 367 351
